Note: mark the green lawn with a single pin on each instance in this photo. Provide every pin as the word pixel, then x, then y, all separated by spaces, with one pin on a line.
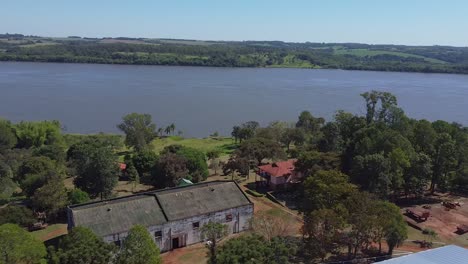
pixel 225 145
pixel 366 52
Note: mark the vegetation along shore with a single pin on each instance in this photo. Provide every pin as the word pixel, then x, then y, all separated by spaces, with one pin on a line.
pixel 143 51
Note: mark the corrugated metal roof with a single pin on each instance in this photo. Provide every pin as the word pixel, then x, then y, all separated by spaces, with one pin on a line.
pixel 156 208
pixel 193 200
pixel 443 255
pixel 119 215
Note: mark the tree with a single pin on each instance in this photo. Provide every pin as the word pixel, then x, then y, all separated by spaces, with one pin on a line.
pixel 97 170
pixel 20 215
pixel 33 182
pixel 322 233
pixel 261 148
pixel 244 131
pixel 213 232
pixel 143 161
pixel 391 224
pixel 213 154
pixel 269 226
pixel 373 98
pixel 238 164
pixel 50 198
pixel 424 137
pixel 235 133
pixel 325 190
pixel 309 123
pixel 169 169
pixel 309 162
pixel 132 175
pixel 418 175
pixel 195 161
pixel 292 135
pixel 81 245
pixel 54 152
pixel 19 246
pixel 7 187
pixel 372 173
pixel 167 130
pixel 253 249
pixel 331 139
pixel 360 218
pixel 139 248
pixel 36 166
pixel 139 130
pixel 443 160
pixel 77 196
pixel 215 165
pixel 7 136
pixel 36 134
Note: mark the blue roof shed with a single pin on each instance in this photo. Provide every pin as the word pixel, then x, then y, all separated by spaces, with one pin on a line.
pixel 444 255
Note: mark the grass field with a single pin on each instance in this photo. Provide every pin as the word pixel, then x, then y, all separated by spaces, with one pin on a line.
pixel 366 52
pixel 225 145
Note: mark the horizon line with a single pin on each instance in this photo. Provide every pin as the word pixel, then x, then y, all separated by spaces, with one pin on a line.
pixel 219 40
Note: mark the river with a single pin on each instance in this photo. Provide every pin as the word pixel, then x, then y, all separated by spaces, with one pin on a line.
pixel 90 98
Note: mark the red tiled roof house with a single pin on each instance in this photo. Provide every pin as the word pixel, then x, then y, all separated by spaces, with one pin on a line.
pixel 279 174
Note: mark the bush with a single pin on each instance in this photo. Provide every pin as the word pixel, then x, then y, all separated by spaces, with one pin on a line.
pixel 254 193
pixel 77 196
pixel 19 215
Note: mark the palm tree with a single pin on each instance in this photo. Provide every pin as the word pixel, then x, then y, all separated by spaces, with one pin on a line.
pixel 172 126
pixel 160 131
pixel 167 130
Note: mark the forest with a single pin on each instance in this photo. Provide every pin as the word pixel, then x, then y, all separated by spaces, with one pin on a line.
pixel 348 56
pixel 358 170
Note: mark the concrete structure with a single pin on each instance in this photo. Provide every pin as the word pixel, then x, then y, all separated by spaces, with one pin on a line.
pixel 443 255
pixel 279 174
pixel 173 216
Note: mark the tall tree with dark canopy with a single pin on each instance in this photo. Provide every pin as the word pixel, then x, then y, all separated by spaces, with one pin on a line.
pixel 139 130
pixel 195 161
pixel 51 197
pixel 97 169
pixel 139 248
pixel 261 148
pixel 143 161
pixel 309 123
pixel 373 98
pixel 169 169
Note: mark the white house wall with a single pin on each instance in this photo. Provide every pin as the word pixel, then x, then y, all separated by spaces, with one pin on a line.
pixel 189 235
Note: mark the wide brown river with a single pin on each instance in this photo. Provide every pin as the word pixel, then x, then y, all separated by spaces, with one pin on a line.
pixel 90 98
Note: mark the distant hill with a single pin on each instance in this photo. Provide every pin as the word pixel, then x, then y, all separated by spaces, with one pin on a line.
pixel 123 50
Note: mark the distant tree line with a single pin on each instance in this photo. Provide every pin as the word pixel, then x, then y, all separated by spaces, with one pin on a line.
pixel 237 54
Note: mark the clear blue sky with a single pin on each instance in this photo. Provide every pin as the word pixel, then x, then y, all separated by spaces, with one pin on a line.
pixel 413 22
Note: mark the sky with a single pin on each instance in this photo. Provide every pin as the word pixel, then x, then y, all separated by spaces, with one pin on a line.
pixel 410 22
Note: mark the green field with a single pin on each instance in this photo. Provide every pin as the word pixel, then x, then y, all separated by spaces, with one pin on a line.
pixel 225 145
pixel 367 52
pixel 291 61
